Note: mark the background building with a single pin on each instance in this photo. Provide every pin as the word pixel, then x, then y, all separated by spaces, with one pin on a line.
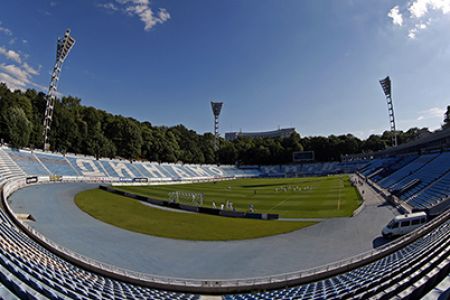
pixel 281 133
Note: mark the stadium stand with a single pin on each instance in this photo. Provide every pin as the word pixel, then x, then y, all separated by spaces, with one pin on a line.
pixel 437 192
pixel 420 181
pixel 8 168
pixel 45 164
pixel 311 169
pixel 388 169
pixel 27 162
pixel 56 164
pixel 376 166
pixel 415 179
pixel 32 272
pixel 378 280
pixel 404 269
pixel 392 180
pixel 429 173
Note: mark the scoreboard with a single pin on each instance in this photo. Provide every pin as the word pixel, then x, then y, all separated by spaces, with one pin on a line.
pixel 302 156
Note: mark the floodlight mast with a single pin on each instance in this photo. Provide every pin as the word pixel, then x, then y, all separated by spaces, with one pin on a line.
pixel 216 108
pixel 63 47
pixel 387 89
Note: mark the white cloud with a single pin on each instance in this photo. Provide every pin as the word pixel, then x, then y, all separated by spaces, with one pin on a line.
pixel 5 30
pixel 18 77
pixel 30 70
pixel 16 72
pixel 19 74
pixel 10 54
pixel 412 33
pixel 397 18
pixel 431 117
pixel 433 113
pixel 422 26
pixel 141 9
pixel 365 133
pixel 420 8
pixel 44 89
pixel 422 13
pixel 108 6
pixel 11 82
pixel 418 27
pixel 163 15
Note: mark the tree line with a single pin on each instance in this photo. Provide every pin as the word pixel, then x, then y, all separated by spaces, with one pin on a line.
pixel 87 130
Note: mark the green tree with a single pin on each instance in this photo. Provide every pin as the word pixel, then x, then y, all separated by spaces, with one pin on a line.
pixel 131 139
pixel 169 148
pixel 207 148
pixel 19 127
pixel 447 118
pixel 227 153
pixel 374 143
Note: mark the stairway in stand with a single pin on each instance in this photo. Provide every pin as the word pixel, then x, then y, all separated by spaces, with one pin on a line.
pixel 8 168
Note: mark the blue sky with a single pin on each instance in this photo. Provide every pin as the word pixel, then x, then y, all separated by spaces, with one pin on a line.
pixel 313 65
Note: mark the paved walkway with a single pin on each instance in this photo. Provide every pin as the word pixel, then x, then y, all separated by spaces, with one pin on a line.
pixel 333 239
pixel 369 196
pixel 372 197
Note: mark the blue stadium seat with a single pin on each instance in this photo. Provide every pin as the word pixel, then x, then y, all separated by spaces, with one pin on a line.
pixel 367 280
pixel 56 164
pixel 28 162
pixel 391 181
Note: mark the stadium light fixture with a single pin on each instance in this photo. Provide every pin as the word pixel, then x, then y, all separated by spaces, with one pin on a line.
pixel 216 108
pixel 387 89
pixel 63 47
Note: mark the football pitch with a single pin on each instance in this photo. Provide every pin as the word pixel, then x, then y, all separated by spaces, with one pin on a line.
pixel 132 215
pixel 312 197
pixel 318 197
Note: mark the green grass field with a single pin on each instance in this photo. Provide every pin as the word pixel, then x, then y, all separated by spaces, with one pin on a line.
pixel 314 197
pixel 132 215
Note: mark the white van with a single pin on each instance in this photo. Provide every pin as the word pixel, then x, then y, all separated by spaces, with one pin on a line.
pixel 404 224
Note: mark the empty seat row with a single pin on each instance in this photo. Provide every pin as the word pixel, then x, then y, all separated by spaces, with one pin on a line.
pixel 420 180
pixel 368 280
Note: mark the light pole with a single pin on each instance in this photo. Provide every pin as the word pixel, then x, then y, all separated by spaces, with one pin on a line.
pixel 63 47
pixel 387 89
pixel 216 108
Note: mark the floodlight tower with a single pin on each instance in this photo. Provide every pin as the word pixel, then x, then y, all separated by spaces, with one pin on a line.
pixel 63 47
pixel 386 85
pixel 216 108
